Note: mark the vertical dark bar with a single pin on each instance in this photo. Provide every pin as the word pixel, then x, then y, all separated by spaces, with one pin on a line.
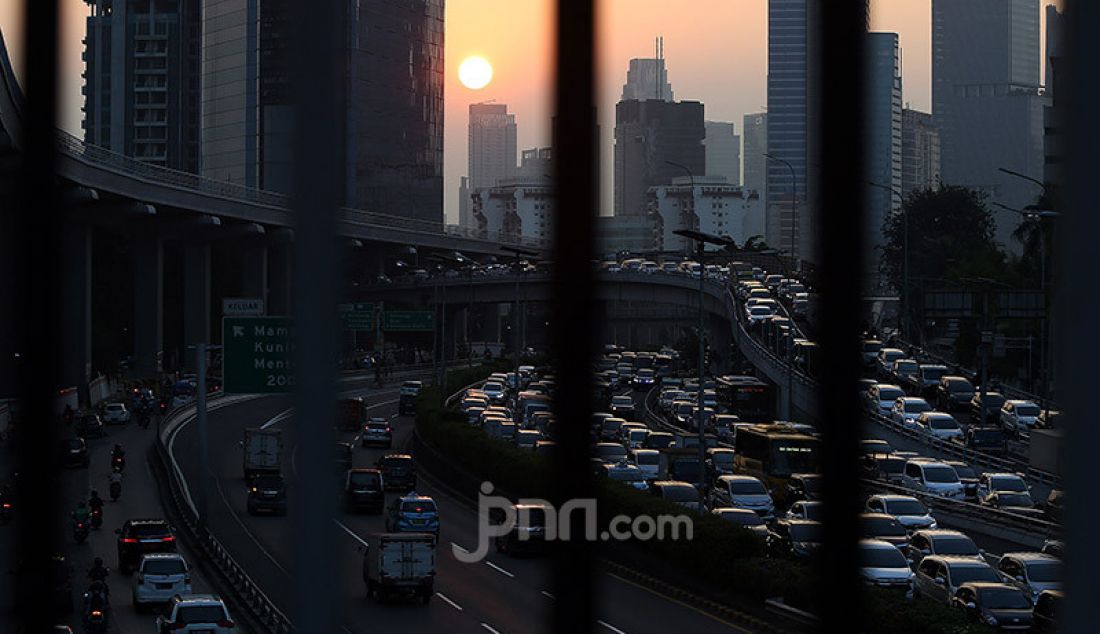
pixel 317 48
pixel 838 148
pixel 1077 311
pixel 573 337
pixel 37 222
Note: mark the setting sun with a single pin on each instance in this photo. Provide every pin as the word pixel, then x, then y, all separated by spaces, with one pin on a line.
pixel 475 72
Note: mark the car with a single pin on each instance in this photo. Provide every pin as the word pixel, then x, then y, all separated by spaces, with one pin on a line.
pixel 902 369
pixel 756 315
pixel 794 539
pixel 528 532
pixel 883 527
pixel 73 452
pixel 1031 572
pixel 628 474
pixel 526 438
pixel 719 462
pixel 158 577
pixel 989 412
pixel 659 440
pixel 885 359
pixel 744 518
pixel 648 461
pixel 988 440
pixel 267 492
pixel 806 510
pixel 804 486
pixel 874 446
pixel 495 391
pixel 142 536
pixel 1019 503
pixel 682 493
pixel 413 513
pixel 1053 547
pixel 1047 611
pixel 968 475
pixel 1010 482
pixel 940 541
pixel 624 434
pixel 724 426
pixel 116 413
pixel 883 466
pixel 906 509
pixel 622 406
pixel 954 393
pixel 995 604
pixel 1018 417
pixel 932 476
pixel 939 425
pixel 644 378
pixel 610 452
pixel 938 576
pixel 742 491
pixel 196 613
pixel 376 431
pixel 881 564
pixel 880 398
pixel 364 490
pixel 406 399
pixel 87 424
pixel 398 471
pixel 906 409
pixel 927 378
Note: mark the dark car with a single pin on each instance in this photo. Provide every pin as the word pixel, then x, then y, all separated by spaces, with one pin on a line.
pixel 988 440
pixel 406 401
pixel 398 471
pixel 954 393
pixel 1047 608
pixel 884 527
pixel 794 539
pixel 885 467
pixel 343 455
pixel 138 537
pixel 89 424
pixel 991 407
pixel 804 486
pixel 377 431
pixel 967 475
pixel 364 491
pixel 73 452
pixel 659 440
pixel 997 604
pixel 1053 506
pixel 267 493
pixel 528 533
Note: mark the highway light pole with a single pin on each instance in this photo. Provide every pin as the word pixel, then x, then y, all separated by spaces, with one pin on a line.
pixel 794 194
pixel 516 253
pixel 905 257
pixel 701 240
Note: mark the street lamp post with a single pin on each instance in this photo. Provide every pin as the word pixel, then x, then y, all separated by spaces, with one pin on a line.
pixel 516 253
pixel 905 258
pixel 701 240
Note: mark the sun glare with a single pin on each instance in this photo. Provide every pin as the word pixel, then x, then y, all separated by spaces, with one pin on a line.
pixel 475 72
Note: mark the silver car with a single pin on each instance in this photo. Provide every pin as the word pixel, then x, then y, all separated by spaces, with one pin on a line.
pixel 159 577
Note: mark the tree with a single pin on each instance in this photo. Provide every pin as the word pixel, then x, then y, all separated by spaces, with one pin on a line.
pixel 755 243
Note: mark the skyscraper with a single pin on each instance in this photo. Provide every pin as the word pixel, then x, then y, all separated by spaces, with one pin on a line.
pixel 788 125
pixel 647 78
pixel 492 144
pixel 648 135
pixel 883 136
pixel 754 131
pixel 723 151
pixel 985 97
pixel 141 80
pixel 920 151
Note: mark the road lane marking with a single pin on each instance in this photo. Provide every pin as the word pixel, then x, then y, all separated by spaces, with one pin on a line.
pixel 460 548
pixel 350 532
pixel 449 602
pixel 548 595
pixel 237 518
pixel 499 569
pixel 486 626
pixel 681 603
pixel 611 627
pixel 278 418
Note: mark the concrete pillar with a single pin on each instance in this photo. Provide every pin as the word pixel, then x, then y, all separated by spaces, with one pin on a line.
pixel 196 298
pixel 76 307
pixel 148 250
pixel 279 275
pixel 254 273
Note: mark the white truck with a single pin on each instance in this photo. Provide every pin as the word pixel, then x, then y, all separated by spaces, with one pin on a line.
pixel 262 452
pixel 399 564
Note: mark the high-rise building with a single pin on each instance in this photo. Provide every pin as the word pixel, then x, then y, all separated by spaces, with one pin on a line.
pixel 708 204
pixel 1054 113
pixel 883 135
pixel 647 78
pixel 649 137
pixel 723 151
pixel 789 123
pixel 392 128
pixel 985 97
pixel 754 131
pixel 513 208
pixel 141 88
pixel 536 163
pixel 920 151
pixel 492 144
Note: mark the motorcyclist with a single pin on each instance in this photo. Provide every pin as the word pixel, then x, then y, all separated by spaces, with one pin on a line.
pixel 81 512
pixel 118 452
pixel 98 573
pixel 95 503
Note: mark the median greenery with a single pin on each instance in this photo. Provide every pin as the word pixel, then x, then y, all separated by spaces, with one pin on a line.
pixel 725 560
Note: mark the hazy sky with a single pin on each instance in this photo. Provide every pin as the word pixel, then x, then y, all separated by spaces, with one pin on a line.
pixel 716 52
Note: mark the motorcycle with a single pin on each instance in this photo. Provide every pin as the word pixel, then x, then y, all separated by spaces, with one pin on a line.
pixel 116 491
pixel 118 462
pixel 80 531
pixel 97 518
pixel 5 512
pixel 143 421
pixel 96 603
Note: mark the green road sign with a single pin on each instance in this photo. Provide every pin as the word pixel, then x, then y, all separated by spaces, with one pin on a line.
pixel 358 316
pixel 258 357
pixel 408 320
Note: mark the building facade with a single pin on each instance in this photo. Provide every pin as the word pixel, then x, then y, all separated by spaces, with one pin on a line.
pixel 920 151
pixel 141 80
pixel 492 144
pixel 723 151
pixel 754 132
pixel 514 208
pixel 883 135
pixel 647 78
pixel 649 136
pixel 635 234
pixel 708 204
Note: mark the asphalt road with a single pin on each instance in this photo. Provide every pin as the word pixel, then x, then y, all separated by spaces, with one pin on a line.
pixel 501 594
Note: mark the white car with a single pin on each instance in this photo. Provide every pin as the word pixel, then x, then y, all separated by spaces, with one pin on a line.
pixel 882 564
pixel 159 577
pixel 116 413
pixel 494 390
pixel 939 425
pixel 907 510
pixel 997 482
pixel 1019 417
pixel 906 409
pixel 886 359
pixel 758 314
pixel 933 477
pixel 743 492
pixel 648 461
pixel 196 613
pixel 880 397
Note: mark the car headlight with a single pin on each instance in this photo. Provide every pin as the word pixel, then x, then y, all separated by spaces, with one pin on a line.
pixel 990 619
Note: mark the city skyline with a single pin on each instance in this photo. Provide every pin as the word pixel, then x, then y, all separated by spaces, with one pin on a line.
pixel 517 39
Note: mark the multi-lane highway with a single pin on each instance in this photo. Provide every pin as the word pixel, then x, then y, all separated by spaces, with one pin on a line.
pixel 501 594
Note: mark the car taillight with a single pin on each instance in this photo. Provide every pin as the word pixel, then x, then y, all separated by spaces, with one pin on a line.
pixel 97 613
pixel 389 430
pixel 129 540
pixel 225 623
pixel 7 505
pixel 170 538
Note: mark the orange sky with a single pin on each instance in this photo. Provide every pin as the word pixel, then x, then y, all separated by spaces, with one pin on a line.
pixel 716 52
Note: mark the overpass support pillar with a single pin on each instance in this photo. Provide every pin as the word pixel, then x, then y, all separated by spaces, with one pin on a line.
pixel 279 277
pixel 254 273
pixel 76 307
pixel 196 298
pixel 148 252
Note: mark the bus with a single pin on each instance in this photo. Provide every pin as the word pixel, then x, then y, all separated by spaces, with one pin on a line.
pixel 772 453
pixel 750 398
